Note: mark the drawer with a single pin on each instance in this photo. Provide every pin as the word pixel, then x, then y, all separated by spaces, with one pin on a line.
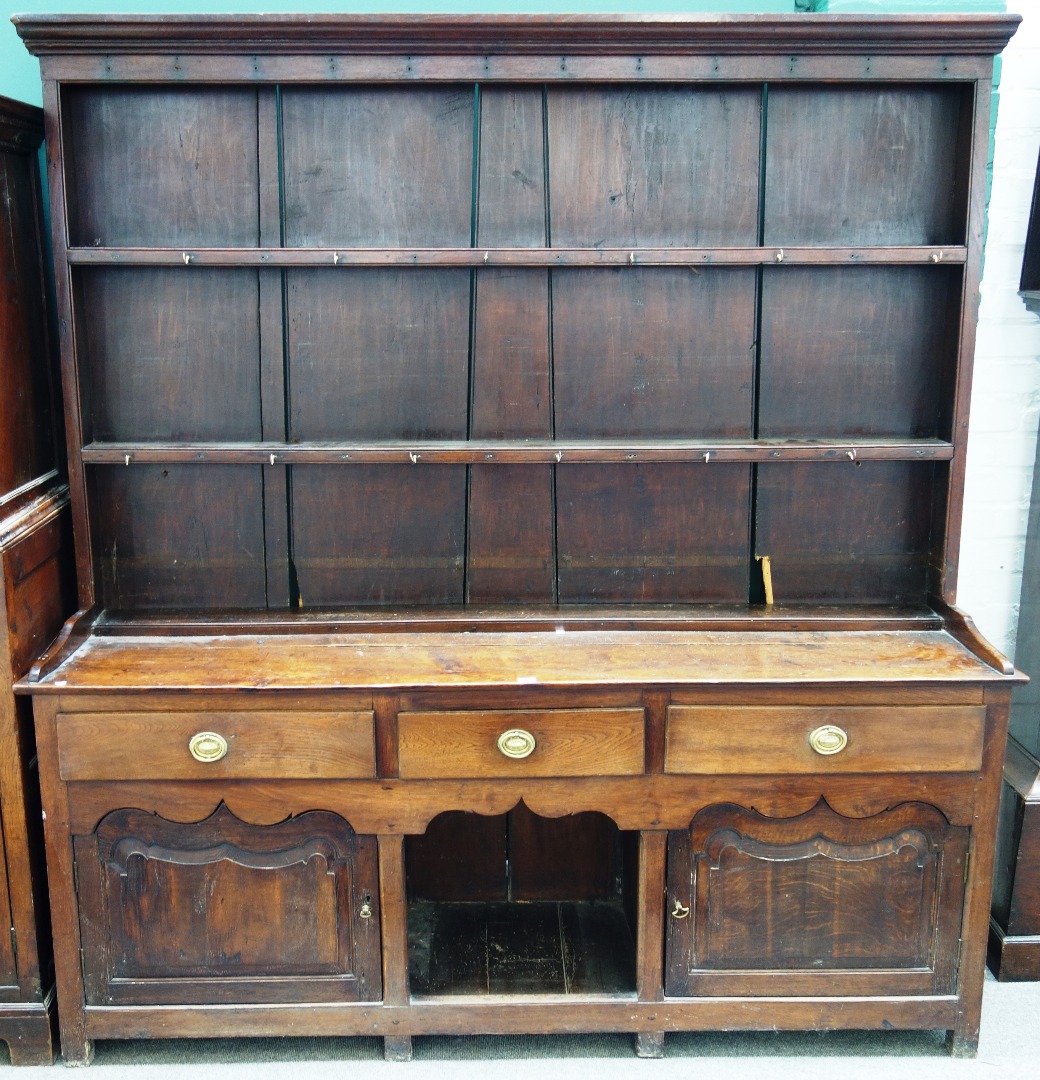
pixel 554 742
pixel 260 745
pixel 777 739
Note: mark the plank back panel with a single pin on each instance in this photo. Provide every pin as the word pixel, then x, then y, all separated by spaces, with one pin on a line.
pixel 378 167
pixel 655 533
pixel 379 534
pixel 855 351
pixel 655 353
pixel 638 166
pixel 150 351
pixel 378 354
pixel 180 536
pixel 846 532
pixel 158 166
pixel 864 165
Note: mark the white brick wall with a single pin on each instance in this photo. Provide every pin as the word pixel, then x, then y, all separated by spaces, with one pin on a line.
pixel 1006 390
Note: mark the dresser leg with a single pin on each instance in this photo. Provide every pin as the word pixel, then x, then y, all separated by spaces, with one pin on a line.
pixel 650 1044
pixel 79 1054
pixel 397 1047
pixel 962 1044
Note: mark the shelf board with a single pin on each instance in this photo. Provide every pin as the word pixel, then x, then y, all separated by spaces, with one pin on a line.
pixel 516 257
pixel 505 452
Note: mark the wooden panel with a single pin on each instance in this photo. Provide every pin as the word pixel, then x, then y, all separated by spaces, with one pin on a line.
pixel 657 352
pixel 775 739
pixel 379 534
pixel 655 533
pixel 511 208
pixel 646 166
pixel 180 536
pixel 162 166
pixel 223 911
pixel 461 856
pixel 780 905
pixel 509 555
pixel 511 368
pixel 568 742
pixel 378 166
pixel 864 165
pixel 855 351
pixel 378 354
pixel 26 360
pixel 576 857
pixel 154 746
pixel 846 532
pixel 150 349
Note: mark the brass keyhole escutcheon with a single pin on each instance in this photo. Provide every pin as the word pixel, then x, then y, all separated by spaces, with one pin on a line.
pixel 516 743
pixel 206 746
pixel 680 911
pixel 828 739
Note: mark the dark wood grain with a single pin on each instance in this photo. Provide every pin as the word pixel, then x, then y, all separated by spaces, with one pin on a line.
pixel 378 354
pixel 341 146
pixel 149 165
pixel 379 535
pixel 863 533
pixel 150 351
pixel 186 536
pixel 632 166
pixel 891 178
pixel 855 351
pixel 653 533
pixel 653 353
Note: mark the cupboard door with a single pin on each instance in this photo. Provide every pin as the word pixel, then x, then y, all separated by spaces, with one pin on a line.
pixel 223 911
pixel 814 904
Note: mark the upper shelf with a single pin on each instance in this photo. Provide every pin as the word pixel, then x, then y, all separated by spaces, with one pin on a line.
pixel 517 257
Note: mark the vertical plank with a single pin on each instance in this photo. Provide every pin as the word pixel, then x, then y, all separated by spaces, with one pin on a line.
pixel 892 177
pixel 653 352
pixel 844 532
pixel 511 191
pixel 653 533
pixel 76 1047
pixel 379 534
pixel 461 857
pixel 378 354
pixel 650 918
pixel 393 914
pixel 179 536
pixel 148 352
pixel 152 166
pixel 854 351
pixel 569 858
pixel 68 315
pixel 378 166
pixel 645 166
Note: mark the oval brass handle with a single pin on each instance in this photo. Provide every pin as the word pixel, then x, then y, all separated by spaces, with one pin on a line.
pixel 207 746
pixel 516 743
pixel 828 739
pixel 680 911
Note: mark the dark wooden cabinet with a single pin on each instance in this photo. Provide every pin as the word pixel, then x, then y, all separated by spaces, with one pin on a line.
pixel 516 467
pixel 35 577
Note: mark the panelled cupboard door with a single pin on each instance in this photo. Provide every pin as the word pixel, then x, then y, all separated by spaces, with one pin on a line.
pixel 814 904
pixel 224 911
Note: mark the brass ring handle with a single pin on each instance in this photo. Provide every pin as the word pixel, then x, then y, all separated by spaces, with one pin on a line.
pixel 516 743
pixel 207 746
pixel 828 739
pixel 680 911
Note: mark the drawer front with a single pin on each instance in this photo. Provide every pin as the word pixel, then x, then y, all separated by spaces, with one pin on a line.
pixel 260 745
pixel 566 742
pixel 778 739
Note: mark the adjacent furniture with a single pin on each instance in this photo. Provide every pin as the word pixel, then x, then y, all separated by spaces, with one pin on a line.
pixel 35 574
pixel 516 468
